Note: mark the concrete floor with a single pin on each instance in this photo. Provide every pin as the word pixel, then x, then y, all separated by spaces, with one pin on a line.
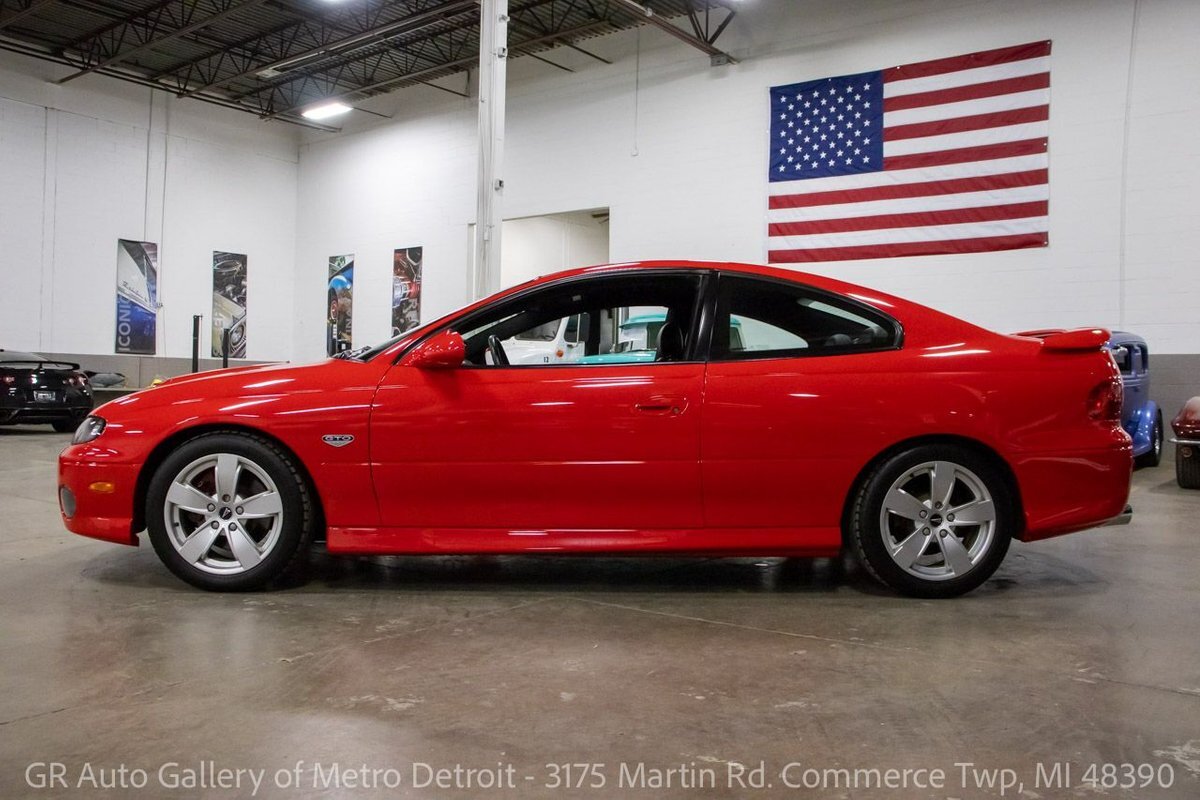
pixel 1082 650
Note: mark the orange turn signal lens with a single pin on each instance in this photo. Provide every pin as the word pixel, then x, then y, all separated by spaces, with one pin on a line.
pixel 103 487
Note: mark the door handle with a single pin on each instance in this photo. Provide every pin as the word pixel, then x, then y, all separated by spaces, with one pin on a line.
pixel 672 406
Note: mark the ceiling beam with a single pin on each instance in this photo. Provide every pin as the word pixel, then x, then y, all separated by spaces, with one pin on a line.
pixel 29 10
pixel 453 66
pixel 405 25
pixel 125 55
pixel 649 15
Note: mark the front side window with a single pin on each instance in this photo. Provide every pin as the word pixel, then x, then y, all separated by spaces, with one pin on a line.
pixel 759 318
pixel 614 319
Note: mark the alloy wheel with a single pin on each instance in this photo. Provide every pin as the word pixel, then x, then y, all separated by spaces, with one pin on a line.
pixel 938 520
pixel 223 513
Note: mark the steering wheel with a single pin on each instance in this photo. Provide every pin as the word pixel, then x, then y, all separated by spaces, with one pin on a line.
pixel 499 357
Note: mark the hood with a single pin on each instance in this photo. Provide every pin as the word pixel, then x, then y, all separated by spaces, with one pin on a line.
pixel 249 382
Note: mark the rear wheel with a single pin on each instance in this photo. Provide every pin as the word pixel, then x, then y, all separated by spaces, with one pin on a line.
pixel 933 521
pixel 1187 466
pixel 229 512
pixel 1153 456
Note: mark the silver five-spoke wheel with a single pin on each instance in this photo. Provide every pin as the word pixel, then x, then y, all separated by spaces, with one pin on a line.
pixel 934 520
pixel 230 511
pixel 937 520
pixel 223 513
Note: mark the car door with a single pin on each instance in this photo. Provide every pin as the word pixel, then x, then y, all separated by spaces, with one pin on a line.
pixel 525 450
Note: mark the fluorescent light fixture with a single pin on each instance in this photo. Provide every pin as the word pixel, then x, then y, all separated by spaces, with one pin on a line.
pixel 326 111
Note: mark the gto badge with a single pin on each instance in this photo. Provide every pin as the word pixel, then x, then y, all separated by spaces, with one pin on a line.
pixel 337 439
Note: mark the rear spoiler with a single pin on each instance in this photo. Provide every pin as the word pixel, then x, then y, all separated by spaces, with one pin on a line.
pixel 39 365
pixel 1063 340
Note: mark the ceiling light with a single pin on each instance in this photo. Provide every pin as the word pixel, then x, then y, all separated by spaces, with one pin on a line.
pixel 326 111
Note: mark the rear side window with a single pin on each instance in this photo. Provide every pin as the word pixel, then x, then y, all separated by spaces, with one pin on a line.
pixel 759 318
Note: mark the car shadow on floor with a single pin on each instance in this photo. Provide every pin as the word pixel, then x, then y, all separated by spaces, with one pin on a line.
pixel 1023 574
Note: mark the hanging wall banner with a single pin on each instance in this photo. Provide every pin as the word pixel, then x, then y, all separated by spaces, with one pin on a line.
pixel 229 303
pixel 406 289
pixel 341 303
pixel 137 296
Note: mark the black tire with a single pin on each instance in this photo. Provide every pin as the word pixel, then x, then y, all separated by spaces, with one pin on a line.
pixel 66 425
pixel 867 538
pixel 1187 466
pixel 1153 456
pixel 295 526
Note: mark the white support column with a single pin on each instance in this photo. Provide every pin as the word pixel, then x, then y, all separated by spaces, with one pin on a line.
pixel 493 72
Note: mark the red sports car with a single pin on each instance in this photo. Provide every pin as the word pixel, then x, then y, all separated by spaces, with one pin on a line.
pixel 836 417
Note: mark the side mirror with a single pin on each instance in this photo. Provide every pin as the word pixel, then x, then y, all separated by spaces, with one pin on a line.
pixel 445 350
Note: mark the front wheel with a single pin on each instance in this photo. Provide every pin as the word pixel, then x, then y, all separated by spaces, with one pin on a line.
pixel 933 521
pixel 229 512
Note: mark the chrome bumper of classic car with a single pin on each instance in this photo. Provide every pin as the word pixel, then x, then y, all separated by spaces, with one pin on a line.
pixel 1124 518
pixel 1187 442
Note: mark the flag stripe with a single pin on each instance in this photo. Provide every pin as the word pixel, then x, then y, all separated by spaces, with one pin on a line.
pixel 906 205
pixel 1024 83
pixel 965 230
pixel 1021 148
pixel 985 58
pixel 971 123
pixel 953 216
pixel 967 77
pixel 968 108
pixel 867 180
pixel 957 141
pixel 890 191
pixel 899 249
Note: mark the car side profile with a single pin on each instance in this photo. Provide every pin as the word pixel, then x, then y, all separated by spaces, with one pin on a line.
pixel 855 420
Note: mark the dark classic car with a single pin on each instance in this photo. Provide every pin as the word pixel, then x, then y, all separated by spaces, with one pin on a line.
pixel 1140 416
pixel 35 389
pixel 1187 444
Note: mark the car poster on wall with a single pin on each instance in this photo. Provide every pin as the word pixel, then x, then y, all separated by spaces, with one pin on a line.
pixel 229 303
pixel 137 296
pixel 340 304
pixel 406 289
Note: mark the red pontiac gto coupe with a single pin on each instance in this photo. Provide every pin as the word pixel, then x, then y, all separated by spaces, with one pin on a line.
pixel 778 414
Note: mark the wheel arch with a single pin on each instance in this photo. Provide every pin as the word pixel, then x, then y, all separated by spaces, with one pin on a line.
pixel 178 438
pixel 965 442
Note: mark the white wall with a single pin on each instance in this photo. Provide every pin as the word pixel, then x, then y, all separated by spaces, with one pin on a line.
pixel 680 162
pixel 84 164
pixel 536 246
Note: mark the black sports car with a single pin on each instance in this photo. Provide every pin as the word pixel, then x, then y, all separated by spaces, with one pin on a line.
pixel 34 389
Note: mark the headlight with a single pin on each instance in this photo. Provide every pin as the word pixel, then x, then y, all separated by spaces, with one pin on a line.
pixel 88 430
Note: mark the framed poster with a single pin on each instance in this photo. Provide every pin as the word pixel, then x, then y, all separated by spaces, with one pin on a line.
pixel 340 304
pixel 137 297
pixel 229 303
pixel 406 289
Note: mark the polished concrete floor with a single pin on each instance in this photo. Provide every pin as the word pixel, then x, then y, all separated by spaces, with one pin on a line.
pixel 1083 650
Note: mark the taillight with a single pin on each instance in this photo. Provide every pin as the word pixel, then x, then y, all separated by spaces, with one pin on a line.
pixel 1104 401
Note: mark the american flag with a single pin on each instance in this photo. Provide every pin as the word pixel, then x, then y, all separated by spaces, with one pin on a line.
pixel 944 156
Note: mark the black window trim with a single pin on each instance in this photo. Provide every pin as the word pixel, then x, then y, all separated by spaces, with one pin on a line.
pixel 781 355
pixel 693 356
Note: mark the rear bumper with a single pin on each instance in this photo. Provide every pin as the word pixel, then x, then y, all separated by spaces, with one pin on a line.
pixel 1073 491
pixel 99 496
pixel 33 414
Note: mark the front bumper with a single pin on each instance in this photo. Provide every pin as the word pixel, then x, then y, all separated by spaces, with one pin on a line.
pixel 99 494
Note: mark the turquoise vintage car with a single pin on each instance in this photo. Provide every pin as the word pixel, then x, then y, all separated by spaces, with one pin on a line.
pixel 638 340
